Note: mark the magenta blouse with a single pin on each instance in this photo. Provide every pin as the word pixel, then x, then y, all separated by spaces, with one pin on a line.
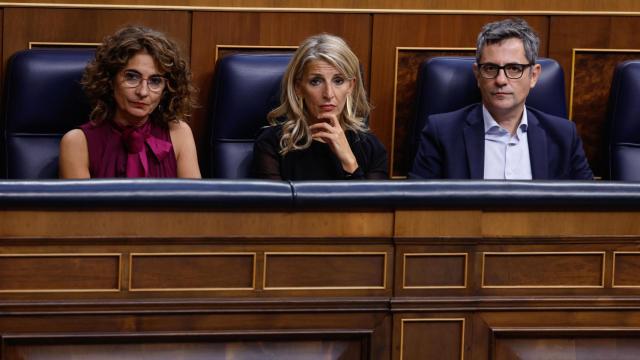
pixel 116 152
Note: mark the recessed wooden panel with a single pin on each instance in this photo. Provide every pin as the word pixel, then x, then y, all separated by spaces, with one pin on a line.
pixel 542 270
pixel 626 268
pixel 59 272
pixel 258 346
pixel 250 223
pixel 441 339
pixel 423 271
pixel 593 72
pixel 192 271
pixel 593 344
pixel 325 271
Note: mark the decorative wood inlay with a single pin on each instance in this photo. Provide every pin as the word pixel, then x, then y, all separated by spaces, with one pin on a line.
pixel 325 270
pixel 434 270
pixel 59 272
pixel 195 271
pixel 543 269
pixel 626 267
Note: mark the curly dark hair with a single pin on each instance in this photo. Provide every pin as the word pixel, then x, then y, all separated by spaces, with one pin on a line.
pixel 112 56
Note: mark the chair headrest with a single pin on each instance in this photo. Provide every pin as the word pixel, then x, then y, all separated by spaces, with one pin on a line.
pixel 43 93
pixel 246 89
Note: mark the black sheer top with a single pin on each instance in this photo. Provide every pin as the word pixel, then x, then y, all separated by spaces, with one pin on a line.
pixel 317 162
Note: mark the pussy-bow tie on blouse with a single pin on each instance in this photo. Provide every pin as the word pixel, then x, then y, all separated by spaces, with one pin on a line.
pixel 134 139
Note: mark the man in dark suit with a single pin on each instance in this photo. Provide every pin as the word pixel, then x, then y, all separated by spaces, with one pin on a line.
pixel 501 138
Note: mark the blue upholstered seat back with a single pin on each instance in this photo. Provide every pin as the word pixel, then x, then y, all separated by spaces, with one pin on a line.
pixel 623 119
pixel 43 100
pixel 246 88
pixel 446 84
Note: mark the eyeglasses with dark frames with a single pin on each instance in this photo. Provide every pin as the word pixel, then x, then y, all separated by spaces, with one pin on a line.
pixel 511 71
pixel 133 79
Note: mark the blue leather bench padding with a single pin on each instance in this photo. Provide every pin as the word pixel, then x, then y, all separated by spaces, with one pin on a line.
pixel 43 100
pixel 462 194
pixel 292 196
pixel 446 84
pixel 159 193
pixel 246 88
pixel 624 122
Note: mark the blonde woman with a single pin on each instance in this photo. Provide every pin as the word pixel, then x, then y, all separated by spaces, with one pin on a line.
pixel 319 130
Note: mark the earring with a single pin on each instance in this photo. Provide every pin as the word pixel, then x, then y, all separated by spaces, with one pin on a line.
pixel 349 107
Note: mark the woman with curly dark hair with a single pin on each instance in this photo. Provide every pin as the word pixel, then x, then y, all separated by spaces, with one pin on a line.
pixel 141 92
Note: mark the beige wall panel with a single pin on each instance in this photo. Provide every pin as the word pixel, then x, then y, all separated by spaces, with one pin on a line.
pixel 442 31
pixel 213 29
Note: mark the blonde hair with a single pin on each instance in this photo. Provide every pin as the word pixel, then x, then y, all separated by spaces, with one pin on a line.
pixel 291 113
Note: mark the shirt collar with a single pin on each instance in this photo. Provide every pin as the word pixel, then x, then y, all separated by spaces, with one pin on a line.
pixel 490 122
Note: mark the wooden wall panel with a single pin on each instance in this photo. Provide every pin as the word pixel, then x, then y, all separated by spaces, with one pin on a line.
pixel 325 5
pixel 593 78
pixel 425 31
pixel 212 29
pixel 23 25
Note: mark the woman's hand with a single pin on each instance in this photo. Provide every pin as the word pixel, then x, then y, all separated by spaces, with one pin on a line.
pixel 329 131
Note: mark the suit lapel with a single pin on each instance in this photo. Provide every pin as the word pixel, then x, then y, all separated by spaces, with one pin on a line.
pixel 474 143
pixel 537 139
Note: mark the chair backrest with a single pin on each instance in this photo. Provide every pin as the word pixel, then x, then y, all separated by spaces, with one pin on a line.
pixel 447 83
pixel 623 122
pixel 43 100
pixel 246 88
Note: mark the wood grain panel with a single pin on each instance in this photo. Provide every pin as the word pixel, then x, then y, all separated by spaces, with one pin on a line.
pixel 381 5
pixel 542 270
pixel 431 339
pixel 545 345
pixel 626 267
pixel 589 99
pixel 444 31
pixel 325 271
pixel 442 223
pixel 434 271
pixel 272 345
pixel 211 29
pixel 195 224
pixel 63 272
pixel 559 223
pixel 234 271
pixel 22 25
pixel 590 32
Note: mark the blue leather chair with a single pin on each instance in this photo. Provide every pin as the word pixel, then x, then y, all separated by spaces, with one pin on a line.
pixel 447 83
pixel 623 122
pixel 246 88
pixel 43 100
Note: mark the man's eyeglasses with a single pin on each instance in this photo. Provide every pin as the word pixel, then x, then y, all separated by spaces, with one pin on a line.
pixel 511 71
pixel 134 79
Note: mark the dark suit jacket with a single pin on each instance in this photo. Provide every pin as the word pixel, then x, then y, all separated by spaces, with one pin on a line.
pixel 452 147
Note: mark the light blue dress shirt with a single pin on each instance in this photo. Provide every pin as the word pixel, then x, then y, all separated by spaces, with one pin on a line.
pixel 506 156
